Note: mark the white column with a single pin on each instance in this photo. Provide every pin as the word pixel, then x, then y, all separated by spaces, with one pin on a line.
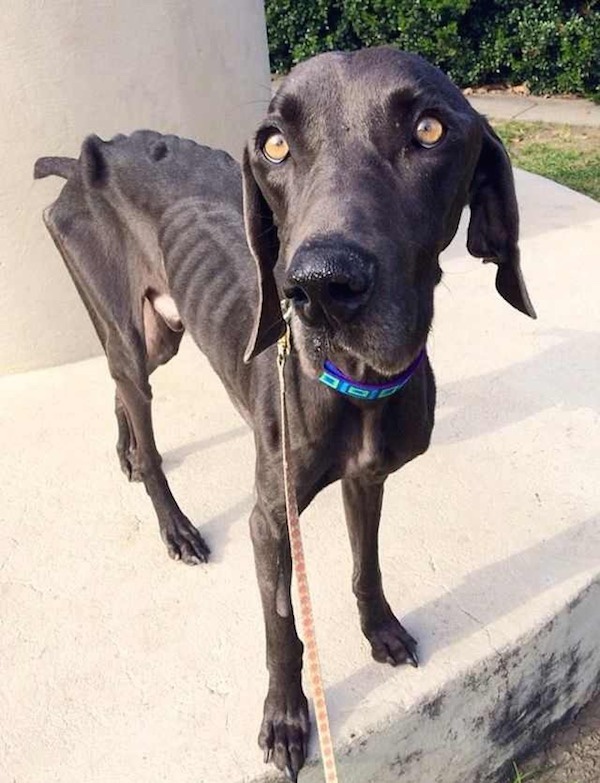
pixel 198 68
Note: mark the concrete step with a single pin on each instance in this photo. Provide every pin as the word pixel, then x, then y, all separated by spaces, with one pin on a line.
pixel 118 664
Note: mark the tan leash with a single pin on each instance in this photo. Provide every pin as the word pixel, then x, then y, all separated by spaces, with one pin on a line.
pixel 299 564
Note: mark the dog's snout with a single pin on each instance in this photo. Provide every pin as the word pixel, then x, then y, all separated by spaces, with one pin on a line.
pixel 329 283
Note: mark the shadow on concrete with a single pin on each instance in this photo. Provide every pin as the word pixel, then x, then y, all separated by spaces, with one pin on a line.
pixel 495 590
pixel 216 530
pixel 562 209
pixel 477 601
pixel 175 457
pixel 563 375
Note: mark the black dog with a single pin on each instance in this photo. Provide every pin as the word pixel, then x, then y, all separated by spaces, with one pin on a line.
pixel 353 185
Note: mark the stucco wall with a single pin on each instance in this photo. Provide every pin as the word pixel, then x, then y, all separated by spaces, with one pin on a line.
pixel 193 67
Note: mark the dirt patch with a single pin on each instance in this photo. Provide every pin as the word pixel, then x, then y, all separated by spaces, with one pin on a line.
pixel 572 755
pixel 516 89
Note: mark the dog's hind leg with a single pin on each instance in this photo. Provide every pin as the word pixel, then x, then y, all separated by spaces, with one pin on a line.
pixel 130 363
pixel 137 338
pixel 138 327
pixel 163 331
pixel 126 446
pixel 390 641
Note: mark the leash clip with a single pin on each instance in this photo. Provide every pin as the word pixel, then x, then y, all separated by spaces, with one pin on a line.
pixel 284 344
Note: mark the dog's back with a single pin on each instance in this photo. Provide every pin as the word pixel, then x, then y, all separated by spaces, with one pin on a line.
pixel 162 216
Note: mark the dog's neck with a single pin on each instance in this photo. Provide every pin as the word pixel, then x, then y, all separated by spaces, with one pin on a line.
pixel 335 379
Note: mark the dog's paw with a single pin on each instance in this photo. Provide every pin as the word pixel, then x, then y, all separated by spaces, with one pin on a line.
pixel 285 730
pixel 391 643
pixel 183 541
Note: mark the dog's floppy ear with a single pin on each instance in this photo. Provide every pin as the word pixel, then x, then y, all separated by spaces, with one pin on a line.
pixel 261 235
pixel 494 225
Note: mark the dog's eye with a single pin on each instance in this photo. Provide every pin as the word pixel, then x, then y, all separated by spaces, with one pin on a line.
pixel 429 132
pixel 276 149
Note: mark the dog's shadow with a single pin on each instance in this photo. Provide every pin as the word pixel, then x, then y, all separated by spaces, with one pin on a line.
pixel 563 375
pixel 477 602
pixel 560 375
pixel 216 529
pixel 175 457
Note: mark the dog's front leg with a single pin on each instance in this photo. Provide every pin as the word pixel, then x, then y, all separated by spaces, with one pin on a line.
pixel 285 727
pixel 390 642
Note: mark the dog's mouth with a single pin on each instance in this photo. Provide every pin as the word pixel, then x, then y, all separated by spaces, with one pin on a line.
pixel 357 353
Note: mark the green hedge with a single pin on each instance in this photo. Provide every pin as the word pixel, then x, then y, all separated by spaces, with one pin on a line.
pixel 552 45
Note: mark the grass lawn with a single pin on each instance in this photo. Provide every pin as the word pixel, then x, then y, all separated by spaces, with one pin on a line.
pixel 519 778
pixel 528 777
pixel 565 153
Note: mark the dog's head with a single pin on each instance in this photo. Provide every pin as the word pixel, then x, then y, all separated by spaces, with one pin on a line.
pixel 353 184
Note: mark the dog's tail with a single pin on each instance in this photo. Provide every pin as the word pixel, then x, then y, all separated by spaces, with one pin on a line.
pixel 61 167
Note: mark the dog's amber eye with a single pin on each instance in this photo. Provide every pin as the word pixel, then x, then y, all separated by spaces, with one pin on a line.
pixel 429 131
pixel 275 149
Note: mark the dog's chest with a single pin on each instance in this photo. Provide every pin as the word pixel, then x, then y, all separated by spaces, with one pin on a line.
pixel 368 453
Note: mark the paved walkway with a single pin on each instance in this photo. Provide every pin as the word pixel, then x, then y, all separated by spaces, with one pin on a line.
pixel 118 664
pixel 506 106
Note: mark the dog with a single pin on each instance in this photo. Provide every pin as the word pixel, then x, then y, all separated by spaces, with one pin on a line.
pixel 349 190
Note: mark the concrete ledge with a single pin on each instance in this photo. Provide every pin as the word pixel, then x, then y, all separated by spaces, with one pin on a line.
pixel 120 665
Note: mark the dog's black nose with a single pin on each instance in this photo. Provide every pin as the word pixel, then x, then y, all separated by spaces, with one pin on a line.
pixel 328 283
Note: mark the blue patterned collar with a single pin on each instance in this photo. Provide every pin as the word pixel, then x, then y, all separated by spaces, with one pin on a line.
pixel 335 379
